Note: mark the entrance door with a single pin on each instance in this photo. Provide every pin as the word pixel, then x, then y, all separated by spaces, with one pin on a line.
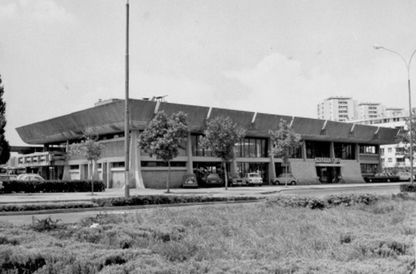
pixel 329 174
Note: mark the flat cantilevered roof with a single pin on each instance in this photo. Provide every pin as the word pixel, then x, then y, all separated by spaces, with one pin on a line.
pixel 109 118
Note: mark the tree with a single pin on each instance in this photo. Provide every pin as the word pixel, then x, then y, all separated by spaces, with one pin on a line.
pixel 403 137
pixel 4 144
pixel 164 136
pixel 90 149
pixel 284 142
pixel 220 136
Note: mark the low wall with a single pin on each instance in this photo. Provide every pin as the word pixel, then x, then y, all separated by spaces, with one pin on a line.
pixel 304 171
pixel 351 172
pixel 157 178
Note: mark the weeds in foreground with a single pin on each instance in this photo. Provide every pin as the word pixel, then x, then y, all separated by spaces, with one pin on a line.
pixel 256 238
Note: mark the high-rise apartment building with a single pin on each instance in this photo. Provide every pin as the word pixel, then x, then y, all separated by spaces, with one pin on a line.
pixel 367 111
pixel 337 109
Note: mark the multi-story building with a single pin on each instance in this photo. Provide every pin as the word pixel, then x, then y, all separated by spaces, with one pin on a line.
pixel 392 155
pixel 329 151
pixel 367 111
pixel 337 109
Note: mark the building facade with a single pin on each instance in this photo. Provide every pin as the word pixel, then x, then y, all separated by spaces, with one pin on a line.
pixel 330 152
pixel 337 109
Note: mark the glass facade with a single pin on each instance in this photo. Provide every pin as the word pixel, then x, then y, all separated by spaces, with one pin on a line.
pixel 344 151
pixel 369 168
pixel 251 148
pixel 317 149
pixel 369 149
pixel 197 149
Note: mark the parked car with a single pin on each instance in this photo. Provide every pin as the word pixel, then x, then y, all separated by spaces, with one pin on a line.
pixel 7 177
pixel 213 179
pixel 404 175
pixel 282 178
pixel 382 177
pixel 29 177
pixel 251 178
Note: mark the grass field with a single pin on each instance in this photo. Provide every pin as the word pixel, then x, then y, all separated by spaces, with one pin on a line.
pixel 252 238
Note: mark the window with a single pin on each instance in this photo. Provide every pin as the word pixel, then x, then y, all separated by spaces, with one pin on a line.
pixel 344 151
pixel 74 167
pixel 381 151
pixel 389 150
pixel 162 164
pixel 118 164
pixel 368 149
pixel 369 168
pixel 317 149
pixel 251 148
pixel 390 160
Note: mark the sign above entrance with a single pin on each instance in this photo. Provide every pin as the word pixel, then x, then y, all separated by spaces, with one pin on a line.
pixel 324 160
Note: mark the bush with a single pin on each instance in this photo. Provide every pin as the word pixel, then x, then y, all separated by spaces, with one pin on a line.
pixel 39 206
pixel 50 186
pixel 326 202
pixel 165 199
pixel 408 187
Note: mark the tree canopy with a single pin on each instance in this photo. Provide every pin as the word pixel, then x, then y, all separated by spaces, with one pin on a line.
pixel 164 135
pixel 284 140
pixel 220 136
pixel 4 144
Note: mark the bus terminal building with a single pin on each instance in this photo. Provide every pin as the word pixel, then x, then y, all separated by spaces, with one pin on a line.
pixel 331 152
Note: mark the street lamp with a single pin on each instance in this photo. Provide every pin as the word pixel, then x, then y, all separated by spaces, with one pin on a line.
pixel 407 64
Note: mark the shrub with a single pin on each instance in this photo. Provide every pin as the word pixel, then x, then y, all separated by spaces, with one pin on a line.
pixel 165 199
pixel 50 186
pixel 45 224
pixel 408 187
pixel 326 202
pixel 46 206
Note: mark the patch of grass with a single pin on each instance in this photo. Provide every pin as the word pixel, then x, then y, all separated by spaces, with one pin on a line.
pixel 373 237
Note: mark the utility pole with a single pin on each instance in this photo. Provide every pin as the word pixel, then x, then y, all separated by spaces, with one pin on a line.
pixel 126 113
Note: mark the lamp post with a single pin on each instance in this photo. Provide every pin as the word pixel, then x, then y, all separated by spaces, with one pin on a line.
pixel 407 64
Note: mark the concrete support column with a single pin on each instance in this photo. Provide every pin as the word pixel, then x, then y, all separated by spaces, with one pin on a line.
pixel 104 171
pixel 83 172
pixel 272 166
pixel 357 152
pixel 89 170
pixel 94 170
pixel 380 162
pixel 304 150
pixel 109 175
pixel 233 167
pixel 135 169
pixel 189 164
pixel 332 150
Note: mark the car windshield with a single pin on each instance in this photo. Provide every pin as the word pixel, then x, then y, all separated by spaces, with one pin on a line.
pixel 285 175
pixel 253 175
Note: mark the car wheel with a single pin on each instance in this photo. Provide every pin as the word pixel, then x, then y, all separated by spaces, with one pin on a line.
pixel 388 180
pixel 293 183
pixel 369 180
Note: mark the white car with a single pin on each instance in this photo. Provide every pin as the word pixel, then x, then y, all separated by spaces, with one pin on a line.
pixel 253 179
pixel 29 177
pixel 404 176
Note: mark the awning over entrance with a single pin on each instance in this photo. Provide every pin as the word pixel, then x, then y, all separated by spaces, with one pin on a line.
pixel 327 165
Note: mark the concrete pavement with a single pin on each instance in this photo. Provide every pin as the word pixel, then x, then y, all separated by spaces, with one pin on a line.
pixel 213 192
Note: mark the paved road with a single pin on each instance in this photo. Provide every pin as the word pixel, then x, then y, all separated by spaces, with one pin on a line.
pixel 317 191
pixel 321 192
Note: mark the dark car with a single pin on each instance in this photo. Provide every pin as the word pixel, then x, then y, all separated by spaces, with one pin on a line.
pixel 212 179
pixel 382 177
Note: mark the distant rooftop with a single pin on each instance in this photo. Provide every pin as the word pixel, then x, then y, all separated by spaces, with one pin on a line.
pixel 338 98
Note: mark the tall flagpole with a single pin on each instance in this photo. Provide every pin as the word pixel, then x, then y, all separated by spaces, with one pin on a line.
pixel 126 112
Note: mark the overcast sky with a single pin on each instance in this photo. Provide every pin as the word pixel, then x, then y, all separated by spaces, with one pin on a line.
pixel 276 56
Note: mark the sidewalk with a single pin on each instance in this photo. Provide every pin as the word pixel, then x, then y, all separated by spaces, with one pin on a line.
pixel 213 192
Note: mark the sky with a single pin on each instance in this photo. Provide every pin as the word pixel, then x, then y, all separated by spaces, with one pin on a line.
pixel 277 56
